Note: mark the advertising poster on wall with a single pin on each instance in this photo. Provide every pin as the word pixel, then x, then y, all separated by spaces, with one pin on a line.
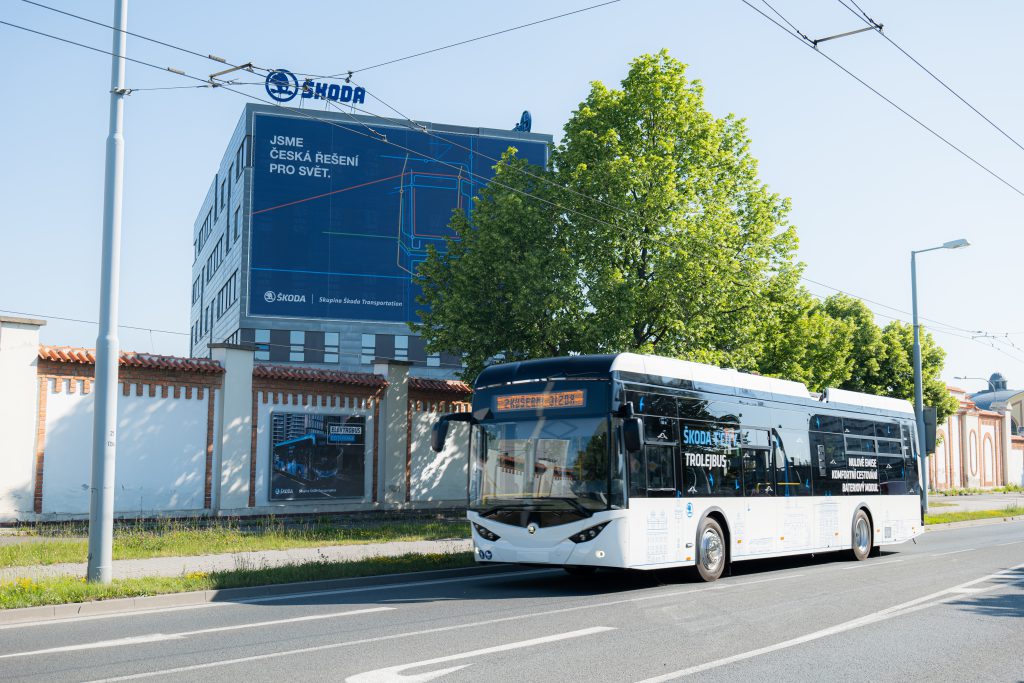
pixel 316 457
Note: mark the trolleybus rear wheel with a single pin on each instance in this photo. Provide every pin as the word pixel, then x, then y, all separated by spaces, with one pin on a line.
pixel 863 539
pixel 711 550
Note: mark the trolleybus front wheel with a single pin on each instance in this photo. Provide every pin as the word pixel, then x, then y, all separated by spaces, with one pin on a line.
pixel 711 550
pixel 863 539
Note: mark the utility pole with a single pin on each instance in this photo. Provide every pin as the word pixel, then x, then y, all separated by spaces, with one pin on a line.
pixel 918 379
pixel 919 389
pixel 104 428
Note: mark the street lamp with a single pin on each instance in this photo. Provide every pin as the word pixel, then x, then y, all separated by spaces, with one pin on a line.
pixel 991 386
pixel 918 389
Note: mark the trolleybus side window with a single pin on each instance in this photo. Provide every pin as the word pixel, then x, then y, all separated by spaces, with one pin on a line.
pixel 661 473
pixel 910 459
pixel 758 471
pixel 792 464
pixel 828 452
pixel 648 403
pixel 712 465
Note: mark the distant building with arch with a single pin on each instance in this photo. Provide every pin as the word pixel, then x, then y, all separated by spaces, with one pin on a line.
pixel 982 444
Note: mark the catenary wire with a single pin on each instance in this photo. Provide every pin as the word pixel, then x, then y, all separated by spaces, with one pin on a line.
pixel 418 154
pixel 92 322
pixel 209 56
pixel 903 111
pixel 472 40
pixel 891 308
pixel 878 29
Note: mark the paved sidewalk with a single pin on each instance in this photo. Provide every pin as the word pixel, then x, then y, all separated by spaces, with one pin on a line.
pixel 937 504
pixel 176 566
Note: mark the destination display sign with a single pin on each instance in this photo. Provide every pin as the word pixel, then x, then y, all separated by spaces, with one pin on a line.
pixel 558 399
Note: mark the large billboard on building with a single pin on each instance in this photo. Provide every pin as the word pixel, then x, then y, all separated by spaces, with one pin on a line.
pixel 341 218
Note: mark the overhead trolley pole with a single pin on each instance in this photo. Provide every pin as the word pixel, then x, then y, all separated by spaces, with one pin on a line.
pixel 104 429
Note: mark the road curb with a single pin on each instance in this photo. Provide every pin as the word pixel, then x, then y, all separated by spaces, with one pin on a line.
pixel 972 522
pixel 228 595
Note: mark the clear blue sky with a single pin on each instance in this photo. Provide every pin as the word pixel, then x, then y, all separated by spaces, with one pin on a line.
pixel 867 184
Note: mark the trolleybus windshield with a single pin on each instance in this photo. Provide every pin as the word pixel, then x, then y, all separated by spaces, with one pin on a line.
pixel 541 463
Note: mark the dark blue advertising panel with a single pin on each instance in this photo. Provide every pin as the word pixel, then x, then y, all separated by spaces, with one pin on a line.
pixel 341 218
pixel 317 456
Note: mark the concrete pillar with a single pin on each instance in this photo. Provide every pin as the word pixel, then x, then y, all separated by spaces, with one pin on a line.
pixel 233 435
pixel 965 452
pixel 19 405
pixel 392 432
pixel 1004 444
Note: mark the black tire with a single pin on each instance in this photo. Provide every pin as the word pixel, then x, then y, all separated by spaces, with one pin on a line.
pixel 712 552
pixel 579 570
pixel 863 537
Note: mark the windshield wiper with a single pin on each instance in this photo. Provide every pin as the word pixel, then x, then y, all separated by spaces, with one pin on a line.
pixel 581 508
pixel 537 503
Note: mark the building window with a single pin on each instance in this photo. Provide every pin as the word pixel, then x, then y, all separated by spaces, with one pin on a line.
pixel 238 214
pixel 262 339
pixel 223 193
pixel 297 348
pixel 434 360
pixel 197 288
pixel 332 341
pixel 401 347
pixel 215 260
pixel 228 295
pixel 369 349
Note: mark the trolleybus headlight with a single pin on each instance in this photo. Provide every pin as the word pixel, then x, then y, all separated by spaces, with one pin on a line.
pixel 588 534
pixel 485 533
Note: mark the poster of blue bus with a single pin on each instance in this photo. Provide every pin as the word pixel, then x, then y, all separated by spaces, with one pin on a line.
pixel 315 457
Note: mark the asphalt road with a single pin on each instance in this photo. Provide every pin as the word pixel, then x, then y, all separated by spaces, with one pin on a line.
pixel 950 607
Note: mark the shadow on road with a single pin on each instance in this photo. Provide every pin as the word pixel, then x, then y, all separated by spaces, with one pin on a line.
pixel 1003 605
pixel 540 582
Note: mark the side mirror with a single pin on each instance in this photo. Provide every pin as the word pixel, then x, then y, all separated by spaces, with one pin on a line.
pixel 438 434
pixel 633 434
pixel 930 424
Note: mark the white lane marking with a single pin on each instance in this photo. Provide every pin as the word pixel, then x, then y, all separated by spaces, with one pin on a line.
pixel 1010 543
pixel 441 629
pixel 161 637
pixel 393 674
pixel 952 552
pixel 276 598
pixel 924 602
pixel 883 563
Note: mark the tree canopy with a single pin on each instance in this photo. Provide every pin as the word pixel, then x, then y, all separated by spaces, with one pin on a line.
pixel 649 231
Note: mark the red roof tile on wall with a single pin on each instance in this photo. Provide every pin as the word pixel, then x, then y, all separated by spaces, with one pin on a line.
pixel 132 359
pixel 439 386
pixel 293 373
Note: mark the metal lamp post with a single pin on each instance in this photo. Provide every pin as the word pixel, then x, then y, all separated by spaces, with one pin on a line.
pixel 918 382
pixel 991 387
pixel 104 432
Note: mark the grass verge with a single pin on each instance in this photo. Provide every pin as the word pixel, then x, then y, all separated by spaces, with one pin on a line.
pixel 944 517
pixel 1009 488
pixel 178 539
pixel 65 589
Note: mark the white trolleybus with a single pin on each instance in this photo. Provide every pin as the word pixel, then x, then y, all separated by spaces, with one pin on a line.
pixel 643 462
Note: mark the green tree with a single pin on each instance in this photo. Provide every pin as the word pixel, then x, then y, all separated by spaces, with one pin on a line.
pixel 896 368
pixel 508 285
pixel 808 345
pixel 653 234
pixel 685 247
pixel 866 349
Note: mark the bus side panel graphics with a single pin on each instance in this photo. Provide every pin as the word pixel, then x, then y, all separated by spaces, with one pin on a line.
pixel 317 457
